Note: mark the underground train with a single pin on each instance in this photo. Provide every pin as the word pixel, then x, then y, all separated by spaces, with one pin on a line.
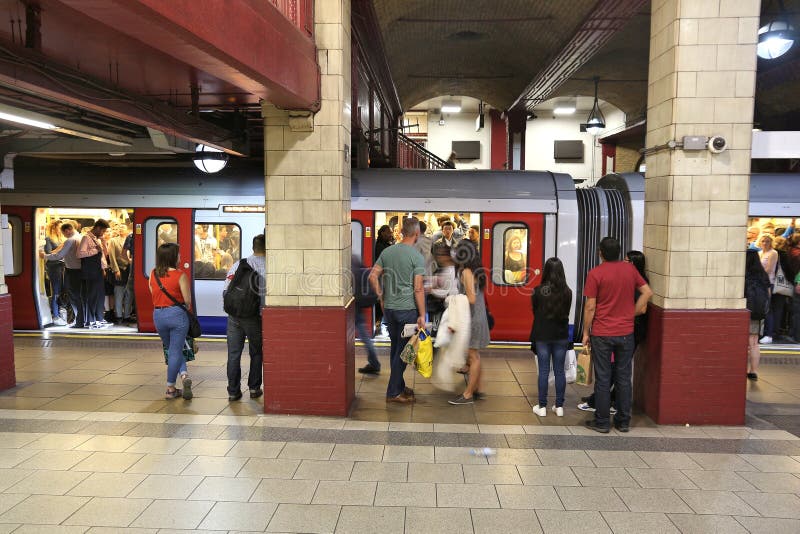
pixel 523 218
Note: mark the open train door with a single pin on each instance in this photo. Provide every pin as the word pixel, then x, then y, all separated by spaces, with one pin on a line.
pixel 362 232
pixel 512 251
pixel 153 227
pixel 18 249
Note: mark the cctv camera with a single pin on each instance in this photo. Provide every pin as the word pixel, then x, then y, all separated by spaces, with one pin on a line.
pixel 717 144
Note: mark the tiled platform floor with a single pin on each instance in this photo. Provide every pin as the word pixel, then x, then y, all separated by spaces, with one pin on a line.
pixel 87 445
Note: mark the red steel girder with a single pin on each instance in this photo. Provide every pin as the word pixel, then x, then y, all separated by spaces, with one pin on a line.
pixel 604 21
pixel 248 43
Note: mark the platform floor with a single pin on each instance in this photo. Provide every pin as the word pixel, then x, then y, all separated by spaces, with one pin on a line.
pixel 88 445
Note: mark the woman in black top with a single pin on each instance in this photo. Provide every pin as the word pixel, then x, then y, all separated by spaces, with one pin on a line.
pixel 550 334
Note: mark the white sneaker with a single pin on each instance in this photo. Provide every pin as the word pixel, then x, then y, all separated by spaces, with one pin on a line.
pixel 541 411
pixel 59 322
pixel 766 340
pixel 559 411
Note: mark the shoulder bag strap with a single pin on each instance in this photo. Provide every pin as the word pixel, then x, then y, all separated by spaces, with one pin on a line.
pixel 173 299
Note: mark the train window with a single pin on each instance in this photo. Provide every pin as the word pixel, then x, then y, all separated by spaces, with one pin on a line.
pixel 357 238
pixel 216 248
pixel 777 227
pixel 156 233
pixel 12 245
pixel 433 222
pixel 510 254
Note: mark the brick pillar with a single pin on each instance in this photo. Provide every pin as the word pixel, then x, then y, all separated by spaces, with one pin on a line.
pixel 309 363
pixel 701 82
pixel 7 372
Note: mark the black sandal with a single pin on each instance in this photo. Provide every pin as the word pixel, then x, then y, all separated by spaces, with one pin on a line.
pixel 174 394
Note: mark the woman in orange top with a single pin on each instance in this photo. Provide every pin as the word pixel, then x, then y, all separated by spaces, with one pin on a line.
pixel 171 320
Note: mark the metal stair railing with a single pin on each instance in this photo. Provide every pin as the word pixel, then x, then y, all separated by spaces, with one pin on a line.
pixel 412 155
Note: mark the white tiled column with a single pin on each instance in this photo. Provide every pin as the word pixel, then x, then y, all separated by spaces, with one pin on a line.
pixel 309 297
pixel 701 83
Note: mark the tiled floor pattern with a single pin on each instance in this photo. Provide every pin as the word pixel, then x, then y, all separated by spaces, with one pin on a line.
pixel 87 445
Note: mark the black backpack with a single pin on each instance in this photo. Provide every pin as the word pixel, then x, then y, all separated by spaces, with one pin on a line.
pixel 363 292
pixel 757 295
pixel 243 296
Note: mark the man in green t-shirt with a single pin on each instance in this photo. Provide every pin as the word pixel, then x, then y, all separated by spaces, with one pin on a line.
pixel 397 280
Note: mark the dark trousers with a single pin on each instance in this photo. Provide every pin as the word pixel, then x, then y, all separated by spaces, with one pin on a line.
pixel 238 329
pixel 795 331
pixel 602 349
pixel 366 338
pixel 55 273
pixel 95 297
pixel 74 284
pixel 395 320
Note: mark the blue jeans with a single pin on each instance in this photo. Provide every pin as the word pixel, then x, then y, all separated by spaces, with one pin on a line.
pixel 366 339
pixel 395 321
pixel 622 348
pixel 172 325
pixel 558 351
pixel 795 327
pixel 238 329
pixel 55 273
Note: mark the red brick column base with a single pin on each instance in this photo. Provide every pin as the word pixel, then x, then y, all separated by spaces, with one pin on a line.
pixel 692 369
pixel 7 374
pixel 309 360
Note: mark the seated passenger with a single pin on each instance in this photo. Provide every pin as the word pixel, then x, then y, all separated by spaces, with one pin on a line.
pixel 225 264
pixel 514 263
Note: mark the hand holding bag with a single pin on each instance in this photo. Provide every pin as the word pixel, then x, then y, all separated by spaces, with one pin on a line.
pixel 194 324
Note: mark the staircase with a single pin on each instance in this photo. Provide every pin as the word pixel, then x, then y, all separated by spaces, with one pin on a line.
pixel 412 155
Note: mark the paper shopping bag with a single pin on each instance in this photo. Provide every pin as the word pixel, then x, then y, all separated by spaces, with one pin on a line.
pixel 585 376
pixel 409 352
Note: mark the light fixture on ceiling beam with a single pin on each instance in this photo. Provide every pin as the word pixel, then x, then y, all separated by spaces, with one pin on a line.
pixel 595 122
pixel 565 106
pixel 777 37
pixel 44 122
pixel 451 106
pixel 209 159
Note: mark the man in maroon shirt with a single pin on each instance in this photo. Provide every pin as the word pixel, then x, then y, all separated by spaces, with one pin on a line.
pixel 610 291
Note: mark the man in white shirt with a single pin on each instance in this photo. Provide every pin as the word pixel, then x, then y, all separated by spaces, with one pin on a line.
pixel 249 327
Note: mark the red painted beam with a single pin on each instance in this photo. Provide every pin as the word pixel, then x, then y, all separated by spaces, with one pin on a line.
pixel 249 44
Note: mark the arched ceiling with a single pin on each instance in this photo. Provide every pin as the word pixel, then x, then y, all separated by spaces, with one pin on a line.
pixel 487 49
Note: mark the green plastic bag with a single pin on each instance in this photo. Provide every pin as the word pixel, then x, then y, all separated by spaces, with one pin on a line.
pixel 190 348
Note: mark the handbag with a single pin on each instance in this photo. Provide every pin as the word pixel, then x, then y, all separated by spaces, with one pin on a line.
pixel 782 285
pixel 190 348
pixel 194 324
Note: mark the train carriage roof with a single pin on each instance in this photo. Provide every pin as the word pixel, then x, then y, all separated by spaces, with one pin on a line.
pixel 775 195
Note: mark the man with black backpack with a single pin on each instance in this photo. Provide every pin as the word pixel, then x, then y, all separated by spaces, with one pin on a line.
pixel 242 299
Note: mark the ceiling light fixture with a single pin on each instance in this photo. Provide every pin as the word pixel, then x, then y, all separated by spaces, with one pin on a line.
pixel 777 37
pixel 451 106
pixel 565 107
pixel 595 122
pixel 44 122
pixel 209 159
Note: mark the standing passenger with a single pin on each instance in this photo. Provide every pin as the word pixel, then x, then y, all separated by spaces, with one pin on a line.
pixel 769 260
pixel 402 297
pixel 608 318
pixel 171 320
pixel 68 252
pixel 120 267
pixel 92 253
pixel 472 281
pixel 54 269
pixel 757 292
pixel 551 302
pixel 249 327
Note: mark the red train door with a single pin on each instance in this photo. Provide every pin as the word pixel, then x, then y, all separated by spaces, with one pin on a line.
pixel 19 275
pixel 152 227
pixel 512 251
pixel 362 232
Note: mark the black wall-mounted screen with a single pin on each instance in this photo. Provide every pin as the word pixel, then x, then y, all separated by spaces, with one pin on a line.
pixel 467 149
pixel 568 150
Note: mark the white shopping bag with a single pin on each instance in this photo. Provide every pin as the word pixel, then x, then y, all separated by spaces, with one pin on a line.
pixel 571 366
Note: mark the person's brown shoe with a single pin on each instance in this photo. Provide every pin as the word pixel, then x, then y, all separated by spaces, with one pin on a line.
pixel 408 392
pixel 402 399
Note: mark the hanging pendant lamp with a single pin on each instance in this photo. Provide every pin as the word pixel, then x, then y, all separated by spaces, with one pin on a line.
pixel 595 122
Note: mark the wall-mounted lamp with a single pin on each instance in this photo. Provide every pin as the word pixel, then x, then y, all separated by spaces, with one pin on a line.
pixel 777 37
pixel 441 119
pixel 595 122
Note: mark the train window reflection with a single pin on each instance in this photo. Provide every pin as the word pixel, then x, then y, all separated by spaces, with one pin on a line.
pixel 167 233
pixel 216 248
pixel 510 254
pixel 12 251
